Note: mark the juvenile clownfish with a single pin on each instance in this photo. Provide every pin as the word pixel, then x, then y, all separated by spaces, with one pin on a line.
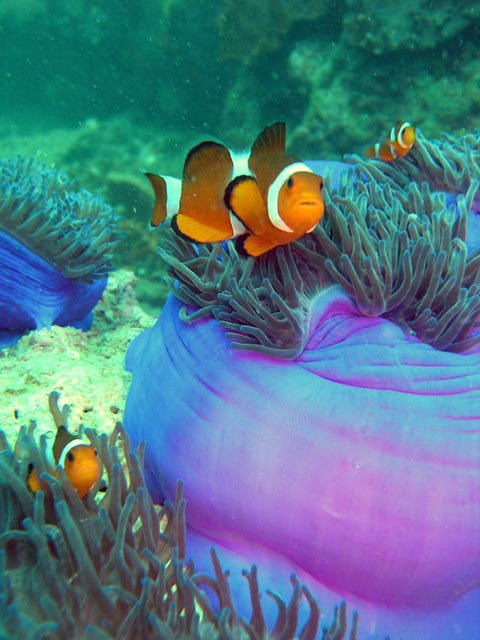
pixel 280 202
pixel 395 144
pixel 77 457
pixel 195 204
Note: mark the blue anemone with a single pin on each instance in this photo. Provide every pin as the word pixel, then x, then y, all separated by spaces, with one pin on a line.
pixel 55 249
pixel 339 438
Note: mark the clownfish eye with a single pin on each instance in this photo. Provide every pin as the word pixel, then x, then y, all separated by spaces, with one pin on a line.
pixel 290 182
pixel 70 457
pixel 320 186
pixel 96 452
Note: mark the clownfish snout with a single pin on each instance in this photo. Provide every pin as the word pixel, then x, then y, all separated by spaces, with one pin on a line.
pixel 81 468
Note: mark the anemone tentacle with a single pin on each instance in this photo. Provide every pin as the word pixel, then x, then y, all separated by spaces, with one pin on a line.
pixel 450 164
pixel 73 231
pixel 402 255
pixel 77 568
pixel 387 238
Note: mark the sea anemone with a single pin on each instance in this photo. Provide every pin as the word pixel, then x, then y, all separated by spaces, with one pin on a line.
pixel 339 437
pixel 55 249
pixel 115 567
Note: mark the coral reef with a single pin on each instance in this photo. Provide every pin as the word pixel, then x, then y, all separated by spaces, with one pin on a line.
pixel 343 70
pixel 235 27
pixel 408 26
pixel 358 412
pixel 55 249
pixel 114 567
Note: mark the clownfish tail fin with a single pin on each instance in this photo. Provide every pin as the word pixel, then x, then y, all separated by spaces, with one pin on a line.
pixel 159 187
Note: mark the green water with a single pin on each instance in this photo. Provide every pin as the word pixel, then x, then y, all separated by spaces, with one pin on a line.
pixel 104 89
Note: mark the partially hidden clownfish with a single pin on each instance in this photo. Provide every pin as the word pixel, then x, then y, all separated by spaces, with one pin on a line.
pixel 77 457
pixel 267 199
pixel 394 144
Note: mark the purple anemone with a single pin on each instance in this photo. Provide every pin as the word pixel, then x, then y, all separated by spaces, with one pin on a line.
pixel 340 437
pixel 55 249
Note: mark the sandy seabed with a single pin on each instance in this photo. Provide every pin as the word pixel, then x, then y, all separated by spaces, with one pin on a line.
pixel 85 368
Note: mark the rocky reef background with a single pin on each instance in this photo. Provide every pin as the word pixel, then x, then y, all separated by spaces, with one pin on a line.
pixel 104 90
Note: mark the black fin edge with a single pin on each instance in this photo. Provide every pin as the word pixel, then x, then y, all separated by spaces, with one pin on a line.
pixel 228 193
pixel 179 233
pixel 239 245
pixel 197 148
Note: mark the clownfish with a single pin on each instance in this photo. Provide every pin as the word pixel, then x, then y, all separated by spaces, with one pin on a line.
pixel 195 204
pixel 280 201
pixel 266 198
pixel 77 457
pixel 395 144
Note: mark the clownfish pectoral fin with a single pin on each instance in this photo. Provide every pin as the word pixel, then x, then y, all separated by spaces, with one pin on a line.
pixel 243 198
pixel 254 245
pixel 195 230
pixel 160 191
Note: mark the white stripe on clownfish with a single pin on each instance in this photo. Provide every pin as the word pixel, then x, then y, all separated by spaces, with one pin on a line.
pixel 272 197
pixel 400 134
pixel 174 189
pixel 68 447
pixel 238 227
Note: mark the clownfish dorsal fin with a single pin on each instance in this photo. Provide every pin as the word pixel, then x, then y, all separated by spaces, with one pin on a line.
pixel 208 160
pixel 202 214
pixel 62 438
pixel 271 140
pixel 159 187
pixel 243 198
pixel 268 157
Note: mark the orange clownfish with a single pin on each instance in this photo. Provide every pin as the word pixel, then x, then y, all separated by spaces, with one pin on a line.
pixel 280 201
pixel 269 200
pixel 395 144
pixel 77 457
pixel 195 204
